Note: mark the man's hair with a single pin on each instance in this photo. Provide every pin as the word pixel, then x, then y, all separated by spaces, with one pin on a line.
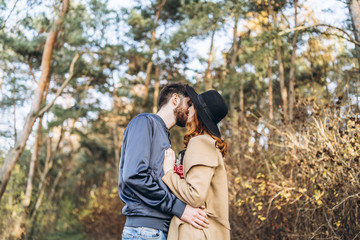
pixel 167 92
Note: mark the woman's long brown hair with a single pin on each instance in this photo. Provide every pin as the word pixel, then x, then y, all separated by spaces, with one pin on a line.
pixel 196 127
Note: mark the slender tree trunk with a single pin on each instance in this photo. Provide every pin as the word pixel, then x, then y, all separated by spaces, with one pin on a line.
pixel 16 152
pixel 157 89
pixel 19 226
pixel 50 155
pixel 208 79
pixel 235 44
pixel 14 106
pixel 66 164
pixel 271 107
pixel 21 231
pixel 2 74
pixel 270 87
pixel 241 96
pixel 10 198
pixel 234 58
pixel 115 123
pixel 161 4
pixel 34 156
pixel 56 182
pixel 116 142
pixel 283 91
pixel 292 70
pixel 31 71
pixel 198 82
pixel 354 9
pixel 11 190
pixel 1 81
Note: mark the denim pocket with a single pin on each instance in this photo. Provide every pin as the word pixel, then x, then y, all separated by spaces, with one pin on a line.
pixel 128 233
pixel 150 233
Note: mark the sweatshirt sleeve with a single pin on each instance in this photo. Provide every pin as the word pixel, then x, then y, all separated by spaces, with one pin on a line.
pixel 137 173
pixel 200 161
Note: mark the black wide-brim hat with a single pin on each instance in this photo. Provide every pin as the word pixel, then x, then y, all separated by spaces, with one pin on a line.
pixel 210 107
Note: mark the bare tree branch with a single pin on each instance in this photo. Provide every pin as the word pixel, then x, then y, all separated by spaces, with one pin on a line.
pixel 344 200
pixel 60 90
pixel 321 25
pixel 4 23
pixel 31 71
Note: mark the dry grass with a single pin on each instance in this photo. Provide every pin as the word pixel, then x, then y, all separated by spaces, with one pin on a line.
pixel 299 180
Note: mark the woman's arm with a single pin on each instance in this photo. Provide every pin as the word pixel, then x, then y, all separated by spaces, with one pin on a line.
pixel 200 161
pixel 194 188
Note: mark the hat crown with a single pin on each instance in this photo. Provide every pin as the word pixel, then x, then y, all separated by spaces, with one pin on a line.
pixel 211 108
pixel 215 105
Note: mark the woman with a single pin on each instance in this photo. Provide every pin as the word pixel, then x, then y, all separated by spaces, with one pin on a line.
pixel 204 181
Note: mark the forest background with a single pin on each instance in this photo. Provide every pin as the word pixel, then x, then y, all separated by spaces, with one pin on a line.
pixel 73 73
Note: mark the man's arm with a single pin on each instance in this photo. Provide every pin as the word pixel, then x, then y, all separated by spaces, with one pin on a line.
pixel 137 177
pixel 137 173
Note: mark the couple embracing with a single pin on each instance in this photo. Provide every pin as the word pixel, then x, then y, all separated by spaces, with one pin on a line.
pixel 165 198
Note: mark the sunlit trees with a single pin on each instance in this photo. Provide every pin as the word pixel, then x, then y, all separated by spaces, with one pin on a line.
pixel 290 81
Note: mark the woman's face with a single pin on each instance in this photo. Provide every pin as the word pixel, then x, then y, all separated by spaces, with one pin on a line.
pixel 191 113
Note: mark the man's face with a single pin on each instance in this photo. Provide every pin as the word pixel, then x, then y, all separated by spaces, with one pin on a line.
pixel 182 111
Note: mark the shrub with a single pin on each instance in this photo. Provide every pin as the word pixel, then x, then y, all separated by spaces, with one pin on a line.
pixel 102 218
pixel 298 180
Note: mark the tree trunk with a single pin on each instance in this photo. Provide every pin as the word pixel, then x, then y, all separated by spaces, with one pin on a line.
pixel 235 45
pixel 234 58
pixel 283 91
pixel 65 164
pixel 152 47
pixel 10 198
pixel 48 165
pixel 56 182
pixel 208 80
pixel 19 227
pixel 115 123
pixel 271 107
pixel 241 96
pixel 34 155
pixel 292 70
pixel 156 90
pixel 14 106
pixel 1 81
pixel 16 152
pixel 354 9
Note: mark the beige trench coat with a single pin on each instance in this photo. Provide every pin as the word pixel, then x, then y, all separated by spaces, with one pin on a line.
pixel 204 183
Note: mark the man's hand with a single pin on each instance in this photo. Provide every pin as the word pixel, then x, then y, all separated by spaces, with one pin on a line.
pixel 196 217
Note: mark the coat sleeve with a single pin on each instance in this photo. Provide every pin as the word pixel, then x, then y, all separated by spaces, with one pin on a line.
pixel 200 161
pixel 136 174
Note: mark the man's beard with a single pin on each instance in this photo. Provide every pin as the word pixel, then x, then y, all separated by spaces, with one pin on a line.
pixel 181 116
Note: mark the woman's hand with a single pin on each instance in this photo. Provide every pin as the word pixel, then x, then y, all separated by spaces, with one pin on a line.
pixel 169 160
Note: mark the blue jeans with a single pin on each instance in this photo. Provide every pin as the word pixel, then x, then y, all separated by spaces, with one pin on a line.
pixel 142 233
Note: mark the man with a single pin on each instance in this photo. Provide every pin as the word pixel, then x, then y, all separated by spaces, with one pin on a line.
pixel 149 204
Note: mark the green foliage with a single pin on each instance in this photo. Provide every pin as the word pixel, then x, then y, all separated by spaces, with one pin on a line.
pixel 12 199
pixel 67 220
pixel 102 216
pixel 288 179
pixel 65 235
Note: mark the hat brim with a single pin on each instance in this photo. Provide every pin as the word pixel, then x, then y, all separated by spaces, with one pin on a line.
pixel 213 128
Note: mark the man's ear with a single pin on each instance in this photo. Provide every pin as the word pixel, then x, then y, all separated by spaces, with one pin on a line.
pixel 175 99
